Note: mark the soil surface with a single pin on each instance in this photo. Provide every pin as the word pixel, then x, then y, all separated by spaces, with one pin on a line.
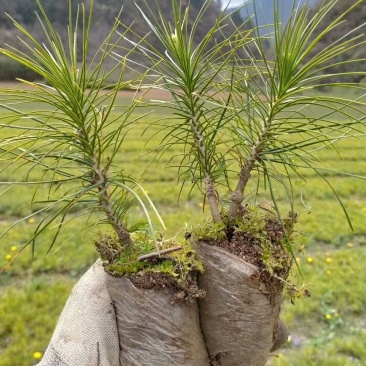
pixel 254 247
pixel 185 290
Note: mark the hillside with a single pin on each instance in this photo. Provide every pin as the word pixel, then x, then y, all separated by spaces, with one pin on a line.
pixel 24 11
pixel 262 14
pixel 105 12
pixel 353 59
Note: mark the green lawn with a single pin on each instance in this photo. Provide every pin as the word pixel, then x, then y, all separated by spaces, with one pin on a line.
pixel 329 328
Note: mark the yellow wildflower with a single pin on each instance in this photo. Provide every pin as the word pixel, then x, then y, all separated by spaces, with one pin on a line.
pixel 310 260
pixel 328 316
pixel 328 272
pixel 8 257
pixel 13 248
pixel 32 220
pixel 37 355
pixel 328 260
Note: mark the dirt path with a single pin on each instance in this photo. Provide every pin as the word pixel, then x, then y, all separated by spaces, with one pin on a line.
pixel 148 95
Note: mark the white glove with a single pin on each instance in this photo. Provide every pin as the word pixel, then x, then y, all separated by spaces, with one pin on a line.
pixel 86 333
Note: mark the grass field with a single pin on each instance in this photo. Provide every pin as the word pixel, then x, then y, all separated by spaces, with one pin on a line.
pixel 329 328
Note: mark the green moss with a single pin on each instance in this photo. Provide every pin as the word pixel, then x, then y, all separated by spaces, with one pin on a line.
pixel 254 221
pixel 256 226
pixel 185 263
pixel 120 261
pixel 208 230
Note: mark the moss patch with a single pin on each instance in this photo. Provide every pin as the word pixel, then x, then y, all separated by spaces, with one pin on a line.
pixel 176 271
pixel 257 236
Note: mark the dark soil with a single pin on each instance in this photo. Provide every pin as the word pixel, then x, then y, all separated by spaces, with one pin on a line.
pixel 182 291
pixel 251 247
pixel 215 360
pixel 180 278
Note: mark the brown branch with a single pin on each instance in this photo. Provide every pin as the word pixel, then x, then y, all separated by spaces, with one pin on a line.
pixel 212 199
pixel 237 196
pixel 104 198
pixel 158 254
pixel 209 184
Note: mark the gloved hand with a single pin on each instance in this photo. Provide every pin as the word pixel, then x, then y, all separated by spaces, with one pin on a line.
pixel 86 333
pixel 153 332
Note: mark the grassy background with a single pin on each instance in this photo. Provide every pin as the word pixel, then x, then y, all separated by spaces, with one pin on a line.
pixel 329 328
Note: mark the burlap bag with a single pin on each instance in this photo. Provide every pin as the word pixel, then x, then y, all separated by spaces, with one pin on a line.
pixel 153 331
pixel 238 315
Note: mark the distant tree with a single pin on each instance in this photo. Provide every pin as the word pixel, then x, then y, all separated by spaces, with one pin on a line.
pixel 24 11
pixel 346 62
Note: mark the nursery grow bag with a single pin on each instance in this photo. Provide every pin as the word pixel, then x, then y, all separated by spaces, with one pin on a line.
pixel 107 321
pixel 239 315
pixel 154 331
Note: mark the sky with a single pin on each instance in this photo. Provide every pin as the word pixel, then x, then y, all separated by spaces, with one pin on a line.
pixel 233 3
